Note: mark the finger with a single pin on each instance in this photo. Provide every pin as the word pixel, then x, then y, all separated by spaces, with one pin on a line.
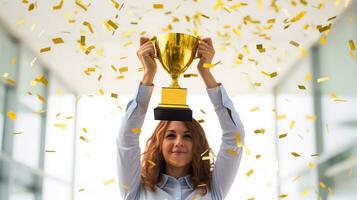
pixel 143 40
pixel 208 41
pixel 203 47
pixel 147 44
pixel 204 44
pixel 148 52
pixel 151 47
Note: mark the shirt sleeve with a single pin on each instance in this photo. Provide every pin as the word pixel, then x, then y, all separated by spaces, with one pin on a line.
pixel 230 152
pixel 128 157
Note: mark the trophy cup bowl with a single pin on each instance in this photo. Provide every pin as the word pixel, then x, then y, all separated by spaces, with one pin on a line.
pixel 175 51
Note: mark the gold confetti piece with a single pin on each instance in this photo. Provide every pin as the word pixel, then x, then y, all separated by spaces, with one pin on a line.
pixel 13 61
pixel 322 184
pixel 20 21
pixel 50 151
pixel 60 125
pixel 112 24
pixel 81 190
pixel 331 18
pixel 250 172
pixel 257 84
pixel 202 185
pixel 83 138
pixel 301 87
pixel 89 26
pixel 323 28
pixel 109 181
pixel 323 79
pixel 158 5
pixel 283 196
pixel 84 130
pixel 114 95
pixel 323 39
pixel 89 49
pixel 11 115
pixel 252 198
pixel 200 120
pixel 208 65
pixel 294 43
pixel 101 91
pixel 128 43
pixel 41 98
pixel 8 80
pixel 204 112
pixel 311 117
pixel 351 45
pixel 329 189
pixel 314 155
pixel 283 135
pixel 190 75
pixel 116 4
pixel 152 163
pixel 311 165
pixel 125 186
pixel 281 116
pixel 82 5
pixel 254 109
pixel 292 124
pixel 299 16
pixel 258 156
pixel 238 139
pixel 259 131
pixel 16 132
pixel 123 69
pixel 119 77
pixel 33 61
pixel 246 150
pixel 295 154
pixel 57 40
pixel 32 6
pixel 59 6
pixel 136 130
pixel 272 75
pixel 83 40
pixel 45 49
pixel 260 48
pixel 305 192
pixel 232 152
pixel 271 21
pixel 308 76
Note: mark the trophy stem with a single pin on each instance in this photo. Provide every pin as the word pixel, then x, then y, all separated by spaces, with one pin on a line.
pixel 174 83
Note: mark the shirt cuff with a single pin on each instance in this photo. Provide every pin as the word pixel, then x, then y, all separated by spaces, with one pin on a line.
pixel 217 94
pixel 143 93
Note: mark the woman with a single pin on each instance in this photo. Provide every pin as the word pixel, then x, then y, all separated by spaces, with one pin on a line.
pixel 173 164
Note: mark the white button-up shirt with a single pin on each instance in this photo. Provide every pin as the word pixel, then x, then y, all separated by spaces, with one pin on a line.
pixel 170 188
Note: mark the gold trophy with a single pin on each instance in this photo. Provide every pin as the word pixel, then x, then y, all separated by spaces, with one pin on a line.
pixel 175 52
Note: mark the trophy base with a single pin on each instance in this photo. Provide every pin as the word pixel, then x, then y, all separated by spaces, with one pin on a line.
pixel 173 114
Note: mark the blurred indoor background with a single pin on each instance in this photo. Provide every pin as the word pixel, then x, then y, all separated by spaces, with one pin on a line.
pixel 68 68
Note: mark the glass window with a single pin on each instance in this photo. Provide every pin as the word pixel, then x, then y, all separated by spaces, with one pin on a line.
pixel 31 100
pixel 60 131
pixel 2 113
pixel 339 116
pixel 296 121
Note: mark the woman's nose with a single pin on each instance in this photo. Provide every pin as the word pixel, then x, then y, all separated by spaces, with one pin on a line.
pixel 178 141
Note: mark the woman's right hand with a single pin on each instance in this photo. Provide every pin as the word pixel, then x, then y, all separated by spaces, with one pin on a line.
pixel 146 54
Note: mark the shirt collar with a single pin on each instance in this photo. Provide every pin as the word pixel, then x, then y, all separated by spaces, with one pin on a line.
pixel 165 178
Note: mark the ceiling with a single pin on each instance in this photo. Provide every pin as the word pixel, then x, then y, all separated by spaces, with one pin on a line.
pixel 235 28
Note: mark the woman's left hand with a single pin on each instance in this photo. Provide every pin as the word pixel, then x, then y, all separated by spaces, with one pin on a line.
pixel 205 52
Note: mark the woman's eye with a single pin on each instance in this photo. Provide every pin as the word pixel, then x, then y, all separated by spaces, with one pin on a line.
pixel 188 136
pixel 170 135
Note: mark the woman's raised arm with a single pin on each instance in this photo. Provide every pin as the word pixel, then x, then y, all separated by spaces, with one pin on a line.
pixel 128 156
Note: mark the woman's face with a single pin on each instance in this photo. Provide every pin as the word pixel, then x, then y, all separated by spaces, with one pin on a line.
pixel 177 145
